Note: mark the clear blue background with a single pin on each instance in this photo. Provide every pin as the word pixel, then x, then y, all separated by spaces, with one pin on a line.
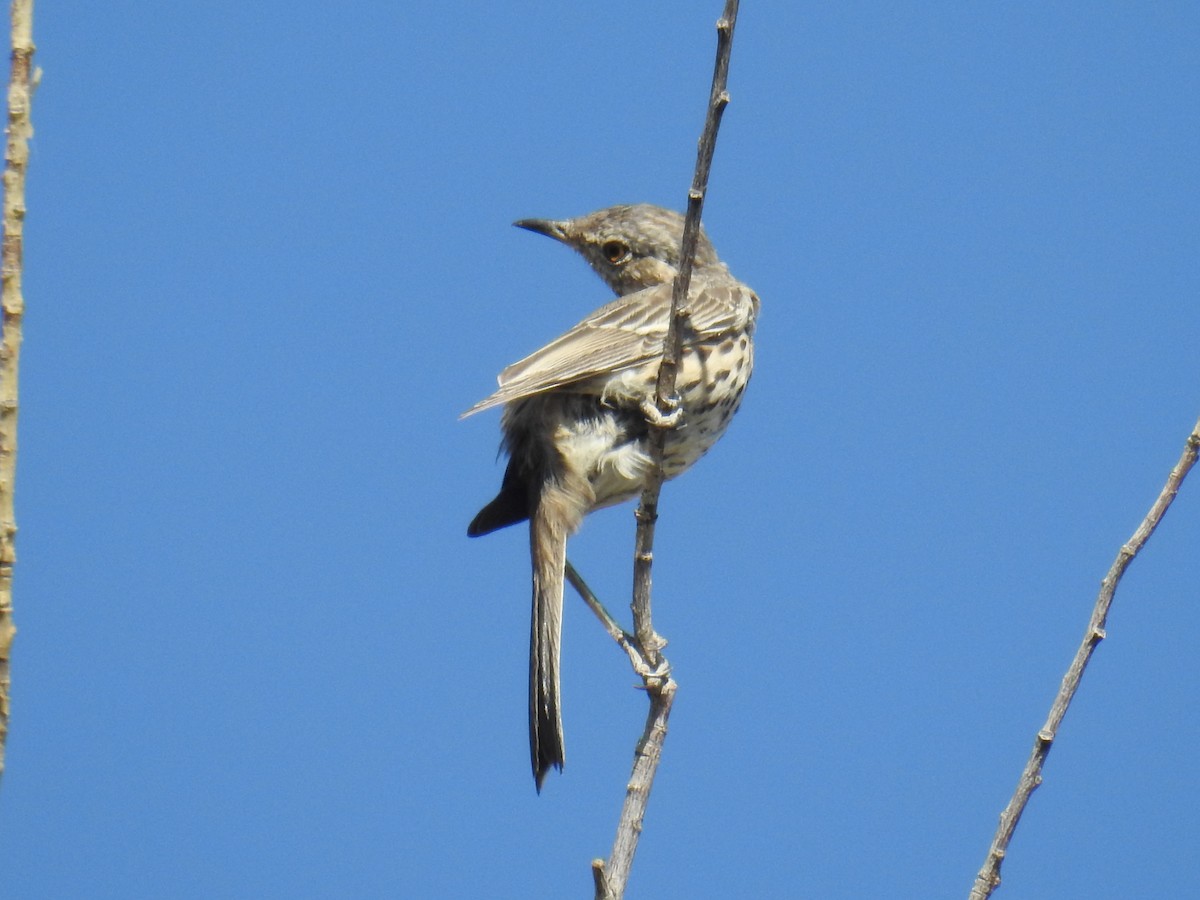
pixel 270 261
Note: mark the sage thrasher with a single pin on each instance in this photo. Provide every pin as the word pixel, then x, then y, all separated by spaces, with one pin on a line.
pixel 575 412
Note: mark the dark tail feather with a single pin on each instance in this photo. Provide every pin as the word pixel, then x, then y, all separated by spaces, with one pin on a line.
pixel 509 507
pixel 548 546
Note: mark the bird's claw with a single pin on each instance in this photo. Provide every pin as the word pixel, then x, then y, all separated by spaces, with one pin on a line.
pixel 651 666
pixel 660 419
pixel 653 676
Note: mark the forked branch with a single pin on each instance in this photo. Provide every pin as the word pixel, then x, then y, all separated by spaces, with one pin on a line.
pixel 611 877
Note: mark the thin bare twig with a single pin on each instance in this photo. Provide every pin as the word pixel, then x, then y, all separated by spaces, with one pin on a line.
pixel 611 877
pixel 988 878
pixel 16 159
pixel 647 513
pixel 623 638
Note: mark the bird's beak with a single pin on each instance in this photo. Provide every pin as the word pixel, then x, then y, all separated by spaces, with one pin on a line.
pixel 548 227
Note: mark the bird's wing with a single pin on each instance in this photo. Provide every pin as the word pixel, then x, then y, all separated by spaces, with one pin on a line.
pixel 718 303
pixel 627 332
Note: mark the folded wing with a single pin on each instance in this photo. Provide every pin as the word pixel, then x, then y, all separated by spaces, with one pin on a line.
pixel 625 333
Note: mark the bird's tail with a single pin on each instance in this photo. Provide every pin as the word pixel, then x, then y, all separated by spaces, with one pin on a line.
pixel 549 527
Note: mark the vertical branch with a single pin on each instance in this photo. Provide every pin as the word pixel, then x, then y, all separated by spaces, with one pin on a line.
pixel 988 878
pixel 647 513
pixel 16 158
pixel 611 878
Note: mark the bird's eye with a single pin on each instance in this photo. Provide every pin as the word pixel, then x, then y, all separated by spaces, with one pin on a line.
pixel 615 251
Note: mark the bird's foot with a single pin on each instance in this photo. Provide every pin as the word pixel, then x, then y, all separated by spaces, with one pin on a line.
pixel 651 666
pixel 659 419
pixel 653 676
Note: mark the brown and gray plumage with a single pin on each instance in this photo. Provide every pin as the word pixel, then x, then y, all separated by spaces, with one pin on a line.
pixel 574 427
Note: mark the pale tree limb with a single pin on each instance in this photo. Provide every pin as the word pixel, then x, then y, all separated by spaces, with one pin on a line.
pixel 612 876
pixel 16 159
pixel 988 878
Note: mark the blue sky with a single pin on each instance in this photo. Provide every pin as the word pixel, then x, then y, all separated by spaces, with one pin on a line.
pixel 269 260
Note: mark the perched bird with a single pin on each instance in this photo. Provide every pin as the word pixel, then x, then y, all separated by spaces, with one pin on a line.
pixel 575 411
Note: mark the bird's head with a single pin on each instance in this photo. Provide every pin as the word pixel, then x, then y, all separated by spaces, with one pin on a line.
pixel 630 247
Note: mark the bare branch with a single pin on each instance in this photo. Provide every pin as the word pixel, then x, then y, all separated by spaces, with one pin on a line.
pixel 611 878
pixel 16 160
pixel 647 513
pixel 623 638
pixel 637 791
pixel 988 878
